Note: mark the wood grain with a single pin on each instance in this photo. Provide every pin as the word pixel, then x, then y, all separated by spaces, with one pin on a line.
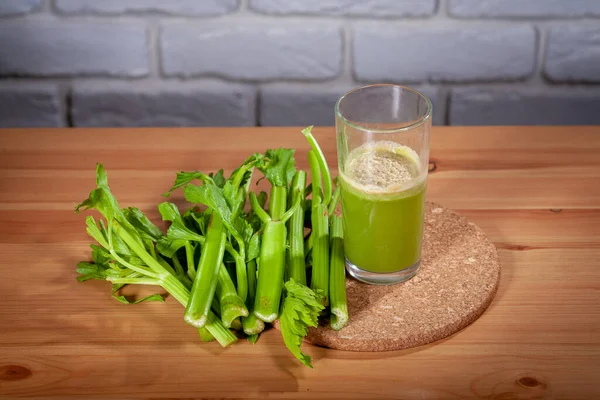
pixel 533 190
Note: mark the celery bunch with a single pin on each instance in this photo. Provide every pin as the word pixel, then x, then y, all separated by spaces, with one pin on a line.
pixel 233 270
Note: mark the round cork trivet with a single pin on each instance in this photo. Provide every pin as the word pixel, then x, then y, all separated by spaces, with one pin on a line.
pixel 457 280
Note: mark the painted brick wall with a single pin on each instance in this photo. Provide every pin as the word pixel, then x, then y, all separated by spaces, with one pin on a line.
pixel 285 62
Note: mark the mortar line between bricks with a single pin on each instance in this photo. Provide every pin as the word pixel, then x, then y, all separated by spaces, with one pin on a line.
pixel 241 17
pixel 64 102
pixel 533 78
pixel 251 18
pixel 447 93
pixel 199 81
pixel 257 106
pixel 542 37
pixel 442 10
pixel 47 6
pixel 68 104
pixel 347 61
pixel 154 70
pixel 51 4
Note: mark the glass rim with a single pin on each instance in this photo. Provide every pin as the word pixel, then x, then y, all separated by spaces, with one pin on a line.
pixel 414 125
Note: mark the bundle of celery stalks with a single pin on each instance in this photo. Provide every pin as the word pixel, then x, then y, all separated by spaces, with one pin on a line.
pixel 233 270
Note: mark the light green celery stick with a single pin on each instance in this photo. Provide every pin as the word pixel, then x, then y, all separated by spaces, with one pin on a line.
pixel 272 260
pixel 319 234
pixel 205 282
pixel 337 279
pixel 251 324
pixel 326 185
pixel 296 268
pixel 279 170
pixel 236 324
pixel 231 305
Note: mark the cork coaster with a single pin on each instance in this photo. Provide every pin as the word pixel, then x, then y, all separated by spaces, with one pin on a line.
pixel 457 280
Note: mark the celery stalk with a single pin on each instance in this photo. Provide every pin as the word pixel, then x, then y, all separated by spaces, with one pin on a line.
pixel 295 253
pixel 327 187
pixel 279 171
pixel 231 305
pixel 320 233
pixel 205 282
pixel 272 259
pixel 337 281
pixel 251 324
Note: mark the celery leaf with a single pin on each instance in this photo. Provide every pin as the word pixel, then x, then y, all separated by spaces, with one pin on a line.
pixel 301 309
pixel 280 167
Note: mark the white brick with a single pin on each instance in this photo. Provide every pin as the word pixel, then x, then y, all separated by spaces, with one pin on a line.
pixel 438 102
pixel 409 54
pixel 501 106
pixel 300 105
pixel 374 8
pixel 252 52
pixel 52 48
pixel 170 7
pixel 18 7
pixel 164 104
pixel 524 8
pixel 573 54
pixel 29 106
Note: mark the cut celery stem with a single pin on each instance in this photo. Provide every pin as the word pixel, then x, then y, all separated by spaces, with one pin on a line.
pixel 337 282
pixel 251 324
pixel 319 234
pixel 296 268
pixel 240 271
pixel 272 257
pixel 231 305
pixel 205 282
pixel 236 324
pixel 205 335
pixel 270 273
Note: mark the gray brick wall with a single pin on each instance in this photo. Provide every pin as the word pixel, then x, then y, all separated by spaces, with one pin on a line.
pixel 524 8
pixel 438 54
pixel 297 105
pixel 56 48
pixel 573 54
pixel 203 8
pixel 14 7
pixel 372 8
pixel 499 106
pixel 285 62
pixel 252 52
pixel 176 104
pixel 29 105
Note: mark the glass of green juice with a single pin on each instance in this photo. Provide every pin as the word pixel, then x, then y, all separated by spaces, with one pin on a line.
pixel 383 155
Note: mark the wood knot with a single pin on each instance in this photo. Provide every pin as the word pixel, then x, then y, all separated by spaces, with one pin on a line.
pixel 14 373
pixel 556 210
pixel 530 382
pixel 432 166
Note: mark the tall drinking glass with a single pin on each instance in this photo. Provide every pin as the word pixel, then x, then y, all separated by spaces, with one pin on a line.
pixel 383 156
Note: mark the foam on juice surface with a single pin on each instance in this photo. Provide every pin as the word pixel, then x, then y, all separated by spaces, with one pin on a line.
pixel 383 167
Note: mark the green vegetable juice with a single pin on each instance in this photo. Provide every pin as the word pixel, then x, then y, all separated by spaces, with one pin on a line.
pixel 383 199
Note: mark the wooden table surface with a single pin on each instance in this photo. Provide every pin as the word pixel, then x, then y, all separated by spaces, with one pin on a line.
pixel 534 190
